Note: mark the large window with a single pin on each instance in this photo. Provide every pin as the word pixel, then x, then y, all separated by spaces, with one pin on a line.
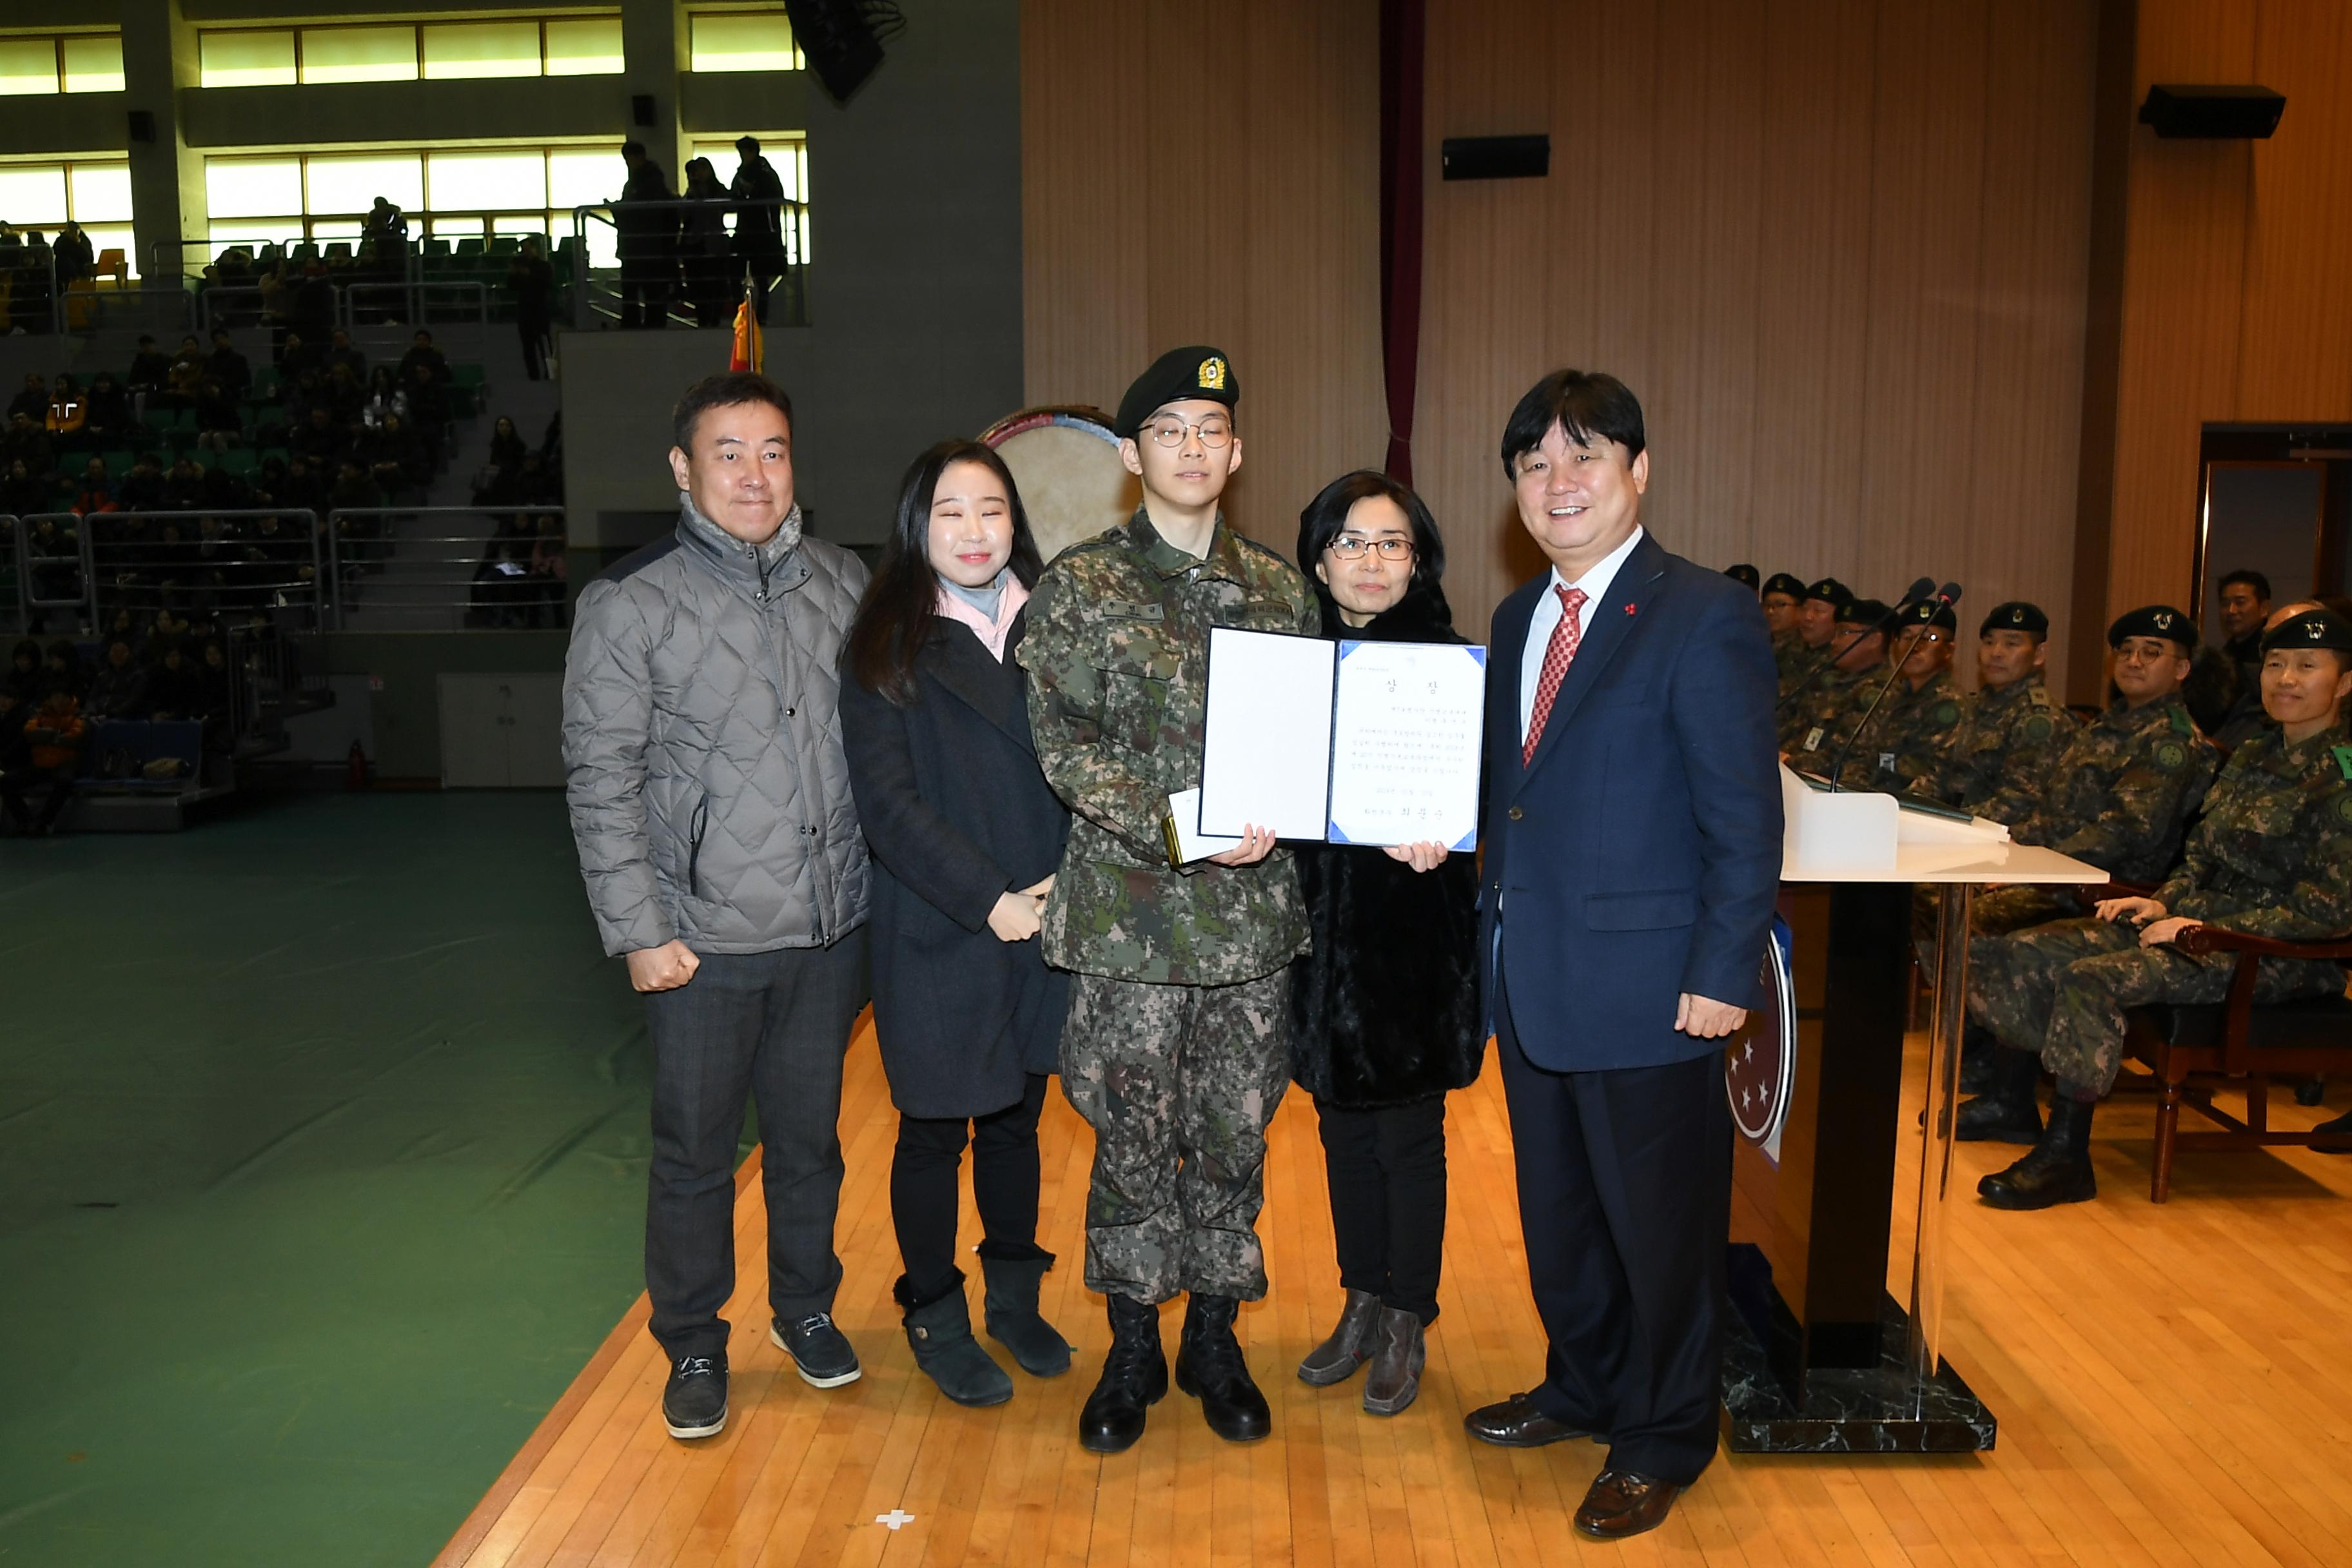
pixel 93 191
pixel 61 62
pixel 742 40
pixel 449 194
pixel 409 51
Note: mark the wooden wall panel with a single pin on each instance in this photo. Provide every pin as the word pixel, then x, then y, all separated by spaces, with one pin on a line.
pixel 1210 171
pixel 2234 304
pixel 1837 246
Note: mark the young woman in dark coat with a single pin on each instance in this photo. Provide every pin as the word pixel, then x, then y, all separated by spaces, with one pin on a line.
pixel 965 836
pixel 1384 1016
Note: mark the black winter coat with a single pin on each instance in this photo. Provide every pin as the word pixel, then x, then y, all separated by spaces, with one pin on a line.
pixel 1384 1006
pixel 956 812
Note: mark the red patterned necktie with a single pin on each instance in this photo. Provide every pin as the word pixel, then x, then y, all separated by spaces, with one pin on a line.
pixel 1558 655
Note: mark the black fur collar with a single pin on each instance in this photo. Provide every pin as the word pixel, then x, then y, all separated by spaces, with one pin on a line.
pixel 1422 615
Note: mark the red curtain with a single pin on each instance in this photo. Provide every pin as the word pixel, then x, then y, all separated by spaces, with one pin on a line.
pixel 1403 27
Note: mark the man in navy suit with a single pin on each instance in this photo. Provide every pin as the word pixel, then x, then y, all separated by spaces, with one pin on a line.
pixel 1632 857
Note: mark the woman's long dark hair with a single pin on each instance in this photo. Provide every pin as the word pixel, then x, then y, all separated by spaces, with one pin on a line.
pixel 1326 518
pixel 895 615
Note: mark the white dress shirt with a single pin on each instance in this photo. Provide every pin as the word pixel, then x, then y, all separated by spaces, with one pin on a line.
pixel 1595 584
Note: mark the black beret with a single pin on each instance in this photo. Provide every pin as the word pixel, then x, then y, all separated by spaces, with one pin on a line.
pixel 1930 612
pixel 2016 616
pixel 1835 592
pixel 2155 621
pixel 1195 371
pixel 1784 582
pixel 1743 572
pixel 2312 628
pixel 1857 612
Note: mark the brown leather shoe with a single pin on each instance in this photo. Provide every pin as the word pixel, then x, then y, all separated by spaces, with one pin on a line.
pixel 1515 1423
pixel 1620 1503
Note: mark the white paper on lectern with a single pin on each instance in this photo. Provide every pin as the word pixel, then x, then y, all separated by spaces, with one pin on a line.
pixel 1407 723
pixel 1265 742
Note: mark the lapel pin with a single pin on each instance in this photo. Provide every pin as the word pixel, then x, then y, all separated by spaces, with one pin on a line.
pixel 1629 609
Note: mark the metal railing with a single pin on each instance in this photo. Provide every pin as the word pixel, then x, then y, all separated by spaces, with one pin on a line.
pixel 417 302
pixel 663 280
pixel 448 568
pixel 247 562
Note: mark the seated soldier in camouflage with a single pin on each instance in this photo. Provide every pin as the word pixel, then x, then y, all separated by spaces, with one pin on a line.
pixel 1781 596
pixel 2010 729
pixel 1815 622
pixel 1815 726
pixel 2272 857
pixel 1175 1050
pixel 1904 739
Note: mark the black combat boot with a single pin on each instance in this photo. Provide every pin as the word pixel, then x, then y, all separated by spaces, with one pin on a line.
pixel 1134 1379
pixel 1209 1367
pixel 1977 1049
pixel 2056 1170
pixel 2005 1112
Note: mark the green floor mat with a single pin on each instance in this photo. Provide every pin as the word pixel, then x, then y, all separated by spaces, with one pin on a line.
pixel 322 1153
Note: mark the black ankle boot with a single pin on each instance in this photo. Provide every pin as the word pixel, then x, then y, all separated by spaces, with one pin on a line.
pixel 1134 1379
pixel 1977 1049
pixel 938 1330
pixel 2056 1170
pixel 1013 1318
pixel 1209 1367
pixel 2005 1112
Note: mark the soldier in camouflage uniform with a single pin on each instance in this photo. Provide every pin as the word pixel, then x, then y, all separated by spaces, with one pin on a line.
pixel 2119 796
pixel 1780 597
pixel 1816 725
pixel 2010 730
pixel 2271 858
pixel 1173 1051
pixel 1806 646
pixel 1905 739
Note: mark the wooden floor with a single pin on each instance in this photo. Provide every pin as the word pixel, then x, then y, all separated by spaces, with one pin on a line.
pixel 2174 1386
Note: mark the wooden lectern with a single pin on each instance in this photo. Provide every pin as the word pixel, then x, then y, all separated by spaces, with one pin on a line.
pixel 1819 1357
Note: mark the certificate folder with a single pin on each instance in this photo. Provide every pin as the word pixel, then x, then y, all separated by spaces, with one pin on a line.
pixel 1344 742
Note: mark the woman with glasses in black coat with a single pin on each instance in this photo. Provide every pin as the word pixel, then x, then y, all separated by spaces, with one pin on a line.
pixel 1384 1016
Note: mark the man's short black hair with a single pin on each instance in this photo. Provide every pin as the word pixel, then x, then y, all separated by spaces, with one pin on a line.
pixel 2252 579
pixel 1586 405
pixel 729 389
pixel 632 149
pixel 424 334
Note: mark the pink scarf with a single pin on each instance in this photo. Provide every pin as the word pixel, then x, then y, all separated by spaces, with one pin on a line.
pixel 991 633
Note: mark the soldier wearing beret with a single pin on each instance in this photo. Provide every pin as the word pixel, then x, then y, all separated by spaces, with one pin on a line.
pixel 1815 725
pixel 1905 739
pixel 1173 1051
pixel 1817 606
pixel 2118 796
pixel 1747 577
pixel 2010 728
pixel 2271 857
pixel 1781 597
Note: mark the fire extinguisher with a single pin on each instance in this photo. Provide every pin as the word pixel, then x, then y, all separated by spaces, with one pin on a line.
pixel 355 768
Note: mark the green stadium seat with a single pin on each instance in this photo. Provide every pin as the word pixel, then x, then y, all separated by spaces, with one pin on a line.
pixel 466 375
pixel 435 248
pixel 265 383
pixel 280 453
pixel 505 244
pixel 470 247
pixel 338 250
pixel 117 462
pixel 240 460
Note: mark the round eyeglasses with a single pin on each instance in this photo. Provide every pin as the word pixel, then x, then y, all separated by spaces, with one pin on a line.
pixel 1168 430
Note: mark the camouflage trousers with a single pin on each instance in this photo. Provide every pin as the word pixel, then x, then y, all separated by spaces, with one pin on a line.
pixel 1179 1083
pixel 2061 990
pixel 1994 911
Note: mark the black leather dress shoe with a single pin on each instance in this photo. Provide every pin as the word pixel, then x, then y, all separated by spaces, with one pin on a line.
pixel 1620 1503
pixel 1515 1423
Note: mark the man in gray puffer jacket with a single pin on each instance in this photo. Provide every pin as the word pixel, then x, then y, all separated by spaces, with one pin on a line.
pixel 711 801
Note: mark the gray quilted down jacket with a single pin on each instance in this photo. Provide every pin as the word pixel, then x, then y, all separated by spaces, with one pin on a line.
pixel 702 755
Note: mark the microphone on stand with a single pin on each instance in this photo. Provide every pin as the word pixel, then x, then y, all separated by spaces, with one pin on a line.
pixel 1918 591
pixel 1944 598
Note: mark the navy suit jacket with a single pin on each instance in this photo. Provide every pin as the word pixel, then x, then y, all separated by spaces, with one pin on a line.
pixel 1637 855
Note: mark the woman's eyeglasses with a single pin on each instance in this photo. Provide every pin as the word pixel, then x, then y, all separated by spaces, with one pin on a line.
pixel 1351 547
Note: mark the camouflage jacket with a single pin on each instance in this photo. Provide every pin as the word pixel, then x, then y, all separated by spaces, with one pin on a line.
pixel 1816 725
pixel 2005 742
pixel 2273 855
pixel 2120 794
pixel 1794 660
pixel 1905 739
pixel 1117 656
